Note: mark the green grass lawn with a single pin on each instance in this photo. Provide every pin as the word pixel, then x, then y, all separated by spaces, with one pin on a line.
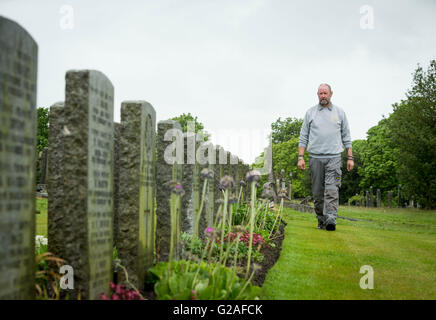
pixel 41 217
pixel 399 244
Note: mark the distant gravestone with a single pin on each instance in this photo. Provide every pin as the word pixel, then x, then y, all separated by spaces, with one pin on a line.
pixel 206 214
pixel 167 170
pixel 399 196
pixel 207 160
pixel 234 162
pixel 135 242
pixel 18 69
pixel 117 128
pixel 378 198
pixel 218 174
pixel 371 197
pixel 87 218
pixel 367 200
pixel 57 226
pixel 390 199
pixel 246 169
pixel 44 166
pixel 189 170
pixel 226 166
pixel 241 179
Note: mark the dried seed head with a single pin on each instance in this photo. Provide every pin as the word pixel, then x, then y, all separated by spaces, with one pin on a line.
pixel 226 182
pixel 207 173
pixel 252 175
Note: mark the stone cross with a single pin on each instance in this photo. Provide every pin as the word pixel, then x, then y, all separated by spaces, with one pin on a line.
pixel 18 118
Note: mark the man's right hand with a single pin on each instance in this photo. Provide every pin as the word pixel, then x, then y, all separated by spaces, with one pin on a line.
pixel 301 164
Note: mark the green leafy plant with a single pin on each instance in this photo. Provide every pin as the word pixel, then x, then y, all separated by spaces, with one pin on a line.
pixel 186 280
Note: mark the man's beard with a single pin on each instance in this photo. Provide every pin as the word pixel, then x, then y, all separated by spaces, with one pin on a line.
pixel 324 102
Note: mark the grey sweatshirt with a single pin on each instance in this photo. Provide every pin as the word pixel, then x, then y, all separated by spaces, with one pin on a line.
pixel 325 131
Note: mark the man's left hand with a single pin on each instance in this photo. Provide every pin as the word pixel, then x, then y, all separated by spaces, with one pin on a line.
pixel 350 165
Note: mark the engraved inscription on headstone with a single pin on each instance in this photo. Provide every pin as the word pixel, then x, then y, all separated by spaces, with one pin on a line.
pixel 18 69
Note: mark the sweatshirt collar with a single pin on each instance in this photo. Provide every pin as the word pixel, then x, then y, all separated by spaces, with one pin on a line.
pixel 320 107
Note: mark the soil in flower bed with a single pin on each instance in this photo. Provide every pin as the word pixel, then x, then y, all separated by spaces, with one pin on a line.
pixel 270 256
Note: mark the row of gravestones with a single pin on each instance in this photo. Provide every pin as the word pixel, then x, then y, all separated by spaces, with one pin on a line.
pixel 107 182
pixel 368 200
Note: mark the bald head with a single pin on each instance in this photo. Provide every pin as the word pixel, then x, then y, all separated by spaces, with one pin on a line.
pixel 325 85
pixel 324 94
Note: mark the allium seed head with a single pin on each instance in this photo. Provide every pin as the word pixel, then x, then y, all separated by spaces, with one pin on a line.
pixel 226 182
pixel 207 173
pixel 253 175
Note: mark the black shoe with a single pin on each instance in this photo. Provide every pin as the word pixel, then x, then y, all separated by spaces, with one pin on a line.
pixel 330 227
pixel 321 225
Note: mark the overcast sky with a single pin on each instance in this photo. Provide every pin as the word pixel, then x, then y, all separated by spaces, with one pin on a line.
pixel 237 65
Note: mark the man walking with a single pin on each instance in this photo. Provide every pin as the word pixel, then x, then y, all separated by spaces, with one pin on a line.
pixel 325 132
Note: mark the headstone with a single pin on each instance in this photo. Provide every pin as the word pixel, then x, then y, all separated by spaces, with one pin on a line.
pixel 218 174
pixel 221 160
pixel 43 166
pixel 247 190
pixel 399 196
pixel 277 185
pixel 167 170
pixel 189 171
pixel 367 202
pixel 378 198
pixel 203 151
pixel 390 199
pixel 87 199
pixel 211 185
pixel 241 179
pixel 371 197
pixel 135 242
pixel 57 226
pixel 18 118
pixel 117 128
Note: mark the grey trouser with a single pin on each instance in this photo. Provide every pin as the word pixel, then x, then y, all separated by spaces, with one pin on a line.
pixel 326 180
